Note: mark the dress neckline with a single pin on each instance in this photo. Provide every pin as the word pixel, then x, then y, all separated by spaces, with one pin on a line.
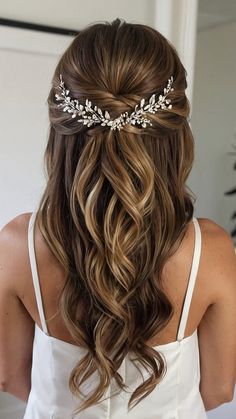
pixel 80 348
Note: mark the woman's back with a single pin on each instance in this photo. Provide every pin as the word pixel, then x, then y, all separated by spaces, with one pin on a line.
pixel 59 350
pixel 177 396
pixel 176 279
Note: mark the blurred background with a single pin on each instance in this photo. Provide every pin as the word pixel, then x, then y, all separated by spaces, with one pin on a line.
pixel 33 35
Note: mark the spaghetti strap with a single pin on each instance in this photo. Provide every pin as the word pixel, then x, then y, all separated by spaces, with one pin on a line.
pixel 34 270
pixel 192 280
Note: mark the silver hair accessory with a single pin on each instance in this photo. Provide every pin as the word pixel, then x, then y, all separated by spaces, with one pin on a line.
pixel 93 115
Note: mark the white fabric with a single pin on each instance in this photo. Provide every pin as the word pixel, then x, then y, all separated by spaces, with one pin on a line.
pixel 176 397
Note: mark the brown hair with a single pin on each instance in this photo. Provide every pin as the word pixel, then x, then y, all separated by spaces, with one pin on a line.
pixel 116 206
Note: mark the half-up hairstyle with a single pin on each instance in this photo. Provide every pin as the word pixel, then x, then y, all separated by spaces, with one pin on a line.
pixel 116 205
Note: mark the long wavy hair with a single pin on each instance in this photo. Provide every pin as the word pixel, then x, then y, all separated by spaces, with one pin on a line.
pixel 116 205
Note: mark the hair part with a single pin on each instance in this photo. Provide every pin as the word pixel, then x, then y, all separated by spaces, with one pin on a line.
pixel 116 205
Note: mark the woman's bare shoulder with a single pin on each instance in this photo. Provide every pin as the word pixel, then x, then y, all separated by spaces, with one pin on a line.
pixel 16 226
pixel 14 250
pixel 218 258
pixel 215 235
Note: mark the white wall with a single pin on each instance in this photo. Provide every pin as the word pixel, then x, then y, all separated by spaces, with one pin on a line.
pixel 77 13
pixel 214 122
pixel 27 62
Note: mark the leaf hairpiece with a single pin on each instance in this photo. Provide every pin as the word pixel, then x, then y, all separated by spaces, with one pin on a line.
pixel 91 115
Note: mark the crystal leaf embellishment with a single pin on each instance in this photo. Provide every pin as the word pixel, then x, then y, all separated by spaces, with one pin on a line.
pixel 91 115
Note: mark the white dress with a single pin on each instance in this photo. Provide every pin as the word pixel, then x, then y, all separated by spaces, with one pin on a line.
pixel 176 397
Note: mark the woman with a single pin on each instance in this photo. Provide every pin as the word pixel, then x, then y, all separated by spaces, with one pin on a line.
pixel 115 300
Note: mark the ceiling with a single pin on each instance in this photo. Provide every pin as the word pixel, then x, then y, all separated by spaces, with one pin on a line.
pixel 215 12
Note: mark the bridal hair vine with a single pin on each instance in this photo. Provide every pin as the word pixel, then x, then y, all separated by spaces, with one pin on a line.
pixel 91 115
